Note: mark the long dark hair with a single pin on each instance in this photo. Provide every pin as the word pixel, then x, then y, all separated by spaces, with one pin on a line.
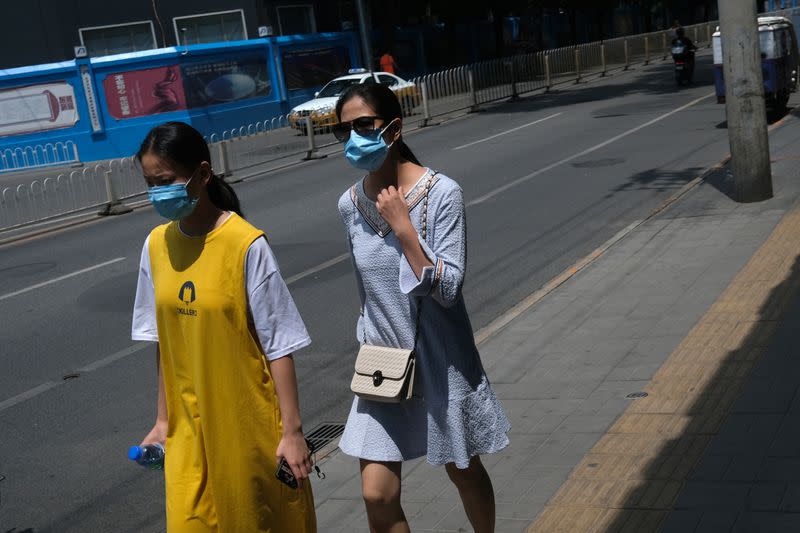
pixel 183 146
pixel 386 105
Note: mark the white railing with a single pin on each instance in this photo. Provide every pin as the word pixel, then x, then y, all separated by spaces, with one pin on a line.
pixel 40 155
pixel 100 186
pixel 254 144
pixel 469 86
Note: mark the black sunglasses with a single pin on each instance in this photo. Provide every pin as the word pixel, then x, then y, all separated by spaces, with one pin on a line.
pixel 364 126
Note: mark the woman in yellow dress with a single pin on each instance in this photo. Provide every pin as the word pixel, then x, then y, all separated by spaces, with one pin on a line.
pixel 212 297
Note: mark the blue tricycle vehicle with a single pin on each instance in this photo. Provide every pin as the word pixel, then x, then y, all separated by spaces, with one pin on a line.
pixel 779 61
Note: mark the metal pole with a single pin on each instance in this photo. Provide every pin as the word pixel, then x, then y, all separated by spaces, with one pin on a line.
pixel 577 65
pixel 744 97
pixel 664 46
pixel 366 45
pixel 627 55
pixel 472 92
pixel 547 81
pixel 224 161
pixel 646 49
pixel 603 59
pixel 76 162
pixel 311 153
pixel 514 94
pixel 426 116
pixel 114 205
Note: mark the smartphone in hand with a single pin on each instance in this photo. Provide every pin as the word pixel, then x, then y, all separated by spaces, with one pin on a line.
pixel 284 472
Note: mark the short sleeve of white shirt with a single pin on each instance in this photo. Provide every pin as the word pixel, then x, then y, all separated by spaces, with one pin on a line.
pixel 277 322
pixel 144 307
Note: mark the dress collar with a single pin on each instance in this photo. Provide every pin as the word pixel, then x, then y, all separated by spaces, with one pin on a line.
pixel 366 206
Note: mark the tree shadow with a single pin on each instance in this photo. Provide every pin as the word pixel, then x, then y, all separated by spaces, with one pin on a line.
pixel 730 384
pixel 654 79
pixel 657 180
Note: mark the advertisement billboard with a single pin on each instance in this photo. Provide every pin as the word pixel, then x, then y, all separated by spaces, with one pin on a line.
pixel 190 85
pixel 37 108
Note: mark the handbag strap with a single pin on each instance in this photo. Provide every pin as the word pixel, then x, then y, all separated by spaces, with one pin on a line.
pixel 424 227
pixel 424 238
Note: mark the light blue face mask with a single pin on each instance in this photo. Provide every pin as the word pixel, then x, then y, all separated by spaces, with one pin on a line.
pixel 172 201
pixel 367 153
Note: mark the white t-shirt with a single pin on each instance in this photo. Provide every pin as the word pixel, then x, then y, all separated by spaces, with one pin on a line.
pixel 271 308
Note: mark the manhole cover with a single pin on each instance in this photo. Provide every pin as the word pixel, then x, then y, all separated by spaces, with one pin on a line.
pixel 597 163
pixel 324 434
pixel 636 395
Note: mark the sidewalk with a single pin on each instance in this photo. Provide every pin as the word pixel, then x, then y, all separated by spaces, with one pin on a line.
pixel 681 309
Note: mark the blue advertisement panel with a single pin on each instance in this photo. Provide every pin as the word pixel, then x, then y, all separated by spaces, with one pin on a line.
pixel 105 105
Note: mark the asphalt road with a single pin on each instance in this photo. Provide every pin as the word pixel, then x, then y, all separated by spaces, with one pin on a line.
pixel 547 179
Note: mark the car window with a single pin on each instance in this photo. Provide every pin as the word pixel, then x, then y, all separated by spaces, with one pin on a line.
pixel 385 79
pixel 369 80
pixel 336 87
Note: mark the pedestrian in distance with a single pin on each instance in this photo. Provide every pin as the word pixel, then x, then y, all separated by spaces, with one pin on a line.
pixel 211 295
pixel 406 229
pixel 673 30
pixel 388 63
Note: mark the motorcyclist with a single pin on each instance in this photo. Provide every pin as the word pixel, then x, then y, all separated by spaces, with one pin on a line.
pixel 683 40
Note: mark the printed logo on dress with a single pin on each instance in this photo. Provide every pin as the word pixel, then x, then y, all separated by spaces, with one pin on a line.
pixel 187 295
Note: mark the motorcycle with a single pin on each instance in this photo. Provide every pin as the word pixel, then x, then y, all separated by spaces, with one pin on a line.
pixel 684 63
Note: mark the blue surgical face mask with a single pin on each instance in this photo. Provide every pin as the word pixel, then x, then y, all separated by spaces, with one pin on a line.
pixel 172 201
pixel 367 152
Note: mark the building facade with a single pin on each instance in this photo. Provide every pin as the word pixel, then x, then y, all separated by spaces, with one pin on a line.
pixel 46 31
pixel 423 35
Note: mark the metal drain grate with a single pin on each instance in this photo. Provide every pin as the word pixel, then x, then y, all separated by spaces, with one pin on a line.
pixel 324 434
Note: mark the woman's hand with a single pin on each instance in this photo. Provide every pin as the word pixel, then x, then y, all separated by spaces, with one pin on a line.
pixel 294 449
pixel 393 208
pixel 157 435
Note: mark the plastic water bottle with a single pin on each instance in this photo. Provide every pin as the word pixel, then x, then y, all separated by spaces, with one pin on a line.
pixel 150 456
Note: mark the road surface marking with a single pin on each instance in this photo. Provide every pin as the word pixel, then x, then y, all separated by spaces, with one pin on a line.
pixel 125 352
pixel 548 168
pixel 91 367
pixel 60 278
pixel 27 395
pixel 313 270
pixel 508 131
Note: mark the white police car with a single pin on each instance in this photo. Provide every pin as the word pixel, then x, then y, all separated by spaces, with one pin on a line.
pixel 322 109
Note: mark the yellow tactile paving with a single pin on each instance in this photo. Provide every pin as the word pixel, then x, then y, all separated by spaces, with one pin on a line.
pixel 631 478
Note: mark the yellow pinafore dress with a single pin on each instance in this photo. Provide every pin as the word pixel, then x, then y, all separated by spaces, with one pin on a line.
pixel 224 416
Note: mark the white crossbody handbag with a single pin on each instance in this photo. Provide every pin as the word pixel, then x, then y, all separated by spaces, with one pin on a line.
pixel 387 374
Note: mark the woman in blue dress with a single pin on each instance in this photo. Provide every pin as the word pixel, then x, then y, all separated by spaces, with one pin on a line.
pixel 457 418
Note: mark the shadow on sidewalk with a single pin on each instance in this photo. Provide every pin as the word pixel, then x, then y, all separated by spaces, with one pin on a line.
pixel 729 416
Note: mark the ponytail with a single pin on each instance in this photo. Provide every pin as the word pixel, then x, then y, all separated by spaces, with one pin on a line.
pixel 406 153
pixel 223 196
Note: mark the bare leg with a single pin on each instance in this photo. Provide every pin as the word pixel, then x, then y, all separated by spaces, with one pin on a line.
pixel 477 494
pixel 380 486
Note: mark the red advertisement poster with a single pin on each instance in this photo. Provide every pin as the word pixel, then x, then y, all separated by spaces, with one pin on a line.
pixel 139 93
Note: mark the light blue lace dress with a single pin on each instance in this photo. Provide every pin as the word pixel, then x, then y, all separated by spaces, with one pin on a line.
pixel 459 415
